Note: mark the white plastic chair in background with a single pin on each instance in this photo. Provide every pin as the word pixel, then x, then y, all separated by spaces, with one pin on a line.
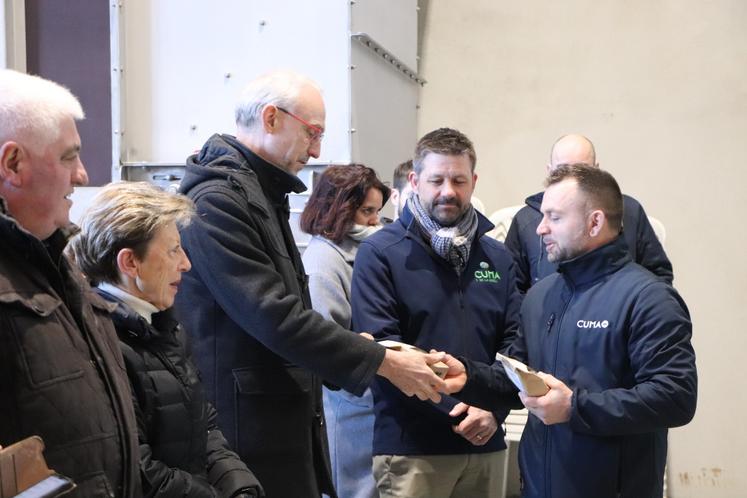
pixel 659 230
pixel 478 204
pixel 502 221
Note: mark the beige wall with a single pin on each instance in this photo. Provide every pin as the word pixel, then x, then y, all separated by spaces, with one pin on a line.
pixel 661 88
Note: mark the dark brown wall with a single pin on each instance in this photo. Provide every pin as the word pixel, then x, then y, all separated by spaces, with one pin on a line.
pixel 68 42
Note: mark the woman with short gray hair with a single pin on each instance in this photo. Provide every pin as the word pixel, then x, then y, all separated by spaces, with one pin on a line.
pixel 129 246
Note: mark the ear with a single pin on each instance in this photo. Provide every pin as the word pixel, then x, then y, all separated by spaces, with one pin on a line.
pixel 11 156
pixel 270 122
pixel 548 169
pixel 394 196
pixel 597 222
pixel 412 177
pixel 474 181
pixel 127 263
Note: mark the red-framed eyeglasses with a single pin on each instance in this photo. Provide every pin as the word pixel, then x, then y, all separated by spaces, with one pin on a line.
pixel 315 132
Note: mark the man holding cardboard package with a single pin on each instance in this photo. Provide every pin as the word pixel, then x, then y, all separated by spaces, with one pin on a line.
pixel 615 342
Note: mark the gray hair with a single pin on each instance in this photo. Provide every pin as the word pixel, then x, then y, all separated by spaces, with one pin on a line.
pixel 124 215
pixel 32 108
pixel 279 88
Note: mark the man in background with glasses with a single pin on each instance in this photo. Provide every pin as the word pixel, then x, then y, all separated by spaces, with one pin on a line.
pixel 263 352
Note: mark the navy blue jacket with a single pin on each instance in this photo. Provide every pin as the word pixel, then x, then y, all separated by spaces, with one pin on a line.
pixel 403 291
pixel 620 339
pixel 531 259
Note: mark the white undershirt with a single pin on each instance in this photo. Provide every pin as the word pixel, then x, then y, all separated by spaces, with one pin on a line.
pixel 141 307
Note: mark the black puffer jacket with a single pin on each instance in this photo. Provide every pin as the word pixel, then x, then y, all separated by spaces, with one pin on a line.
pixel 182 451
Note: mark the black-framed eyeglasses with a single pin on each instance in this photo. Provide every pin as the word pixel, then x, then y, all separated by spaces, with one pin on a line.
pixel 315 132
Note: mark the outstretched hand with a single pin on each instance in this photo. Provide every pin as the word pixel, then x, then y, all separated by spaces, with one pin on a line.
pixel 410 373
pixel 456 376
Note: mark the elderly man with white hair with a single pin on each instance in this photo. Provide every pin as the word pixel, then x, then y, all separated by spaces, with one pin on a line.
pixel 262 350
pixel 61 371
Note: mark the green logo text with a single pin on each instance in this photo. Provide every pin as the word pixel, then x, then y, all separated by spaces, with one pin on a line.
pixel 485 274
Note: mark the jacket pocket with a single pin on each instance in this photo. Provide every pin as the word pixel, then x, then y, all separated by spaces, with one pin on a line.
pixel 273 408
pixel 47 352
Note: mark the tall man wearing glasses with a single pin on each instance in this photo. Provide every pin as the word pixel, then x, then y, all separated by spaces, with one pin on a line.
pixel 262 351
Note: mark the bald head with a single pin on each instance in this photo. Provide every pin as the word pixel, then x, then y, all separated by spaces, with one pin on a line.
pixel 572 149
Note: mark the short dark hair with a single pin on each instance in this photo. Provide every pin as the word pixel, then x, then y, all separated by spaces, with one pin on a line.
pixel 445 141
pixel 401 173
pixel 338 194
pixel 600 188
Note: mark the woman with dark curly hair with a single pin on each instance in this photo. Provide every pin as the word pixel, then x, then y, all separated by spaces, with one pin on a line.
pixel 342 211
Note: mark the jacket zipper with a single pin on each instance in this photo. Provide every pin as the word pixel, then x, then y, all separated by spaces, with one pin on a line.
pixel 548 441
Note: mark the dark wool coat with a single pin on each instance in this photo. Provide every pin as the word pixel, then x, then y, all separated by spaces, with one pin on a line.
pixel 246 305
pixel 61 372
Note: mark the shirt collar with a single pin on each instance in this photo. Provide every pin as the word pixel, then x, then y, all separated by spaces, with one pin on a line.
pixel 140 306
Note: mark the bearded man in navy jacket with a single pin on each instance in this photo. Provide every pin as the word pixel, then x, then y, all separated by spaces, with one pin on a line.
pixel 432 278
pixel 614 341
pixel 532 261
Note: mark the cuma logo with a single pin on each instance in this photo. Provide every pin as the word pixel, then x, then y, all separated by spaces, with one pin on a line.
pixel 485 274
pixel 592 324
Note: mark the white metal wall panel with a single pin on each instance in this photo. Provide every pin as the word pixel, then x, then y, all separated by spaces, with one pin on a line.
pixel 186 61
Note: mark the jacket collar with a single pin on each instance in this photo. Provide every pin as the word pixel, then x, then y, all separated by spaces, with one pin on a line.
pixel 597 264
pixel 535 201
pixel 124 317
pixel 15 235
pixel 223 156
pixel 275 182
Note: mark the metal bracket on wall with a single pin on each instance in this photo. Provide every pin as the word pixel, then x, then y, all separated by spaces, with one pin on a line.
pixel 165 175
pixel 365 40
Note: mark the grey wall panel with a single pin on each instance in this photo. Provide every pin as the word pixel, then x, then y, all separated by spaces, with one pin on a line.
pixel 383 112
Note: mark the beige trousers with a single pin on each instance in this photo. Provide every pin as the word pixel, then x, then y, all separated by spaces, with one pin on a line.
pixel 440 476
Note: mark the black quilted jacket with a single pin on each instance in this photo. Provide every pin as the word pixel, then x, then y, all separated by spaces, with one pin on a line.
pixel 182 451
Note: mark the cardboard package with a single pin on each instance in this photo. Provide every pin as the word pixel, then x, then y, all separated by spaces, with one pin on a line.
pixel 522 376
pixel 439 368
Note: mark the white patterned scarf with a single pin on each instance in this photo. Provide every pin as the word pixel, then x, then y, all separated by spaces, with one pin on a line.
pixel 451 243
